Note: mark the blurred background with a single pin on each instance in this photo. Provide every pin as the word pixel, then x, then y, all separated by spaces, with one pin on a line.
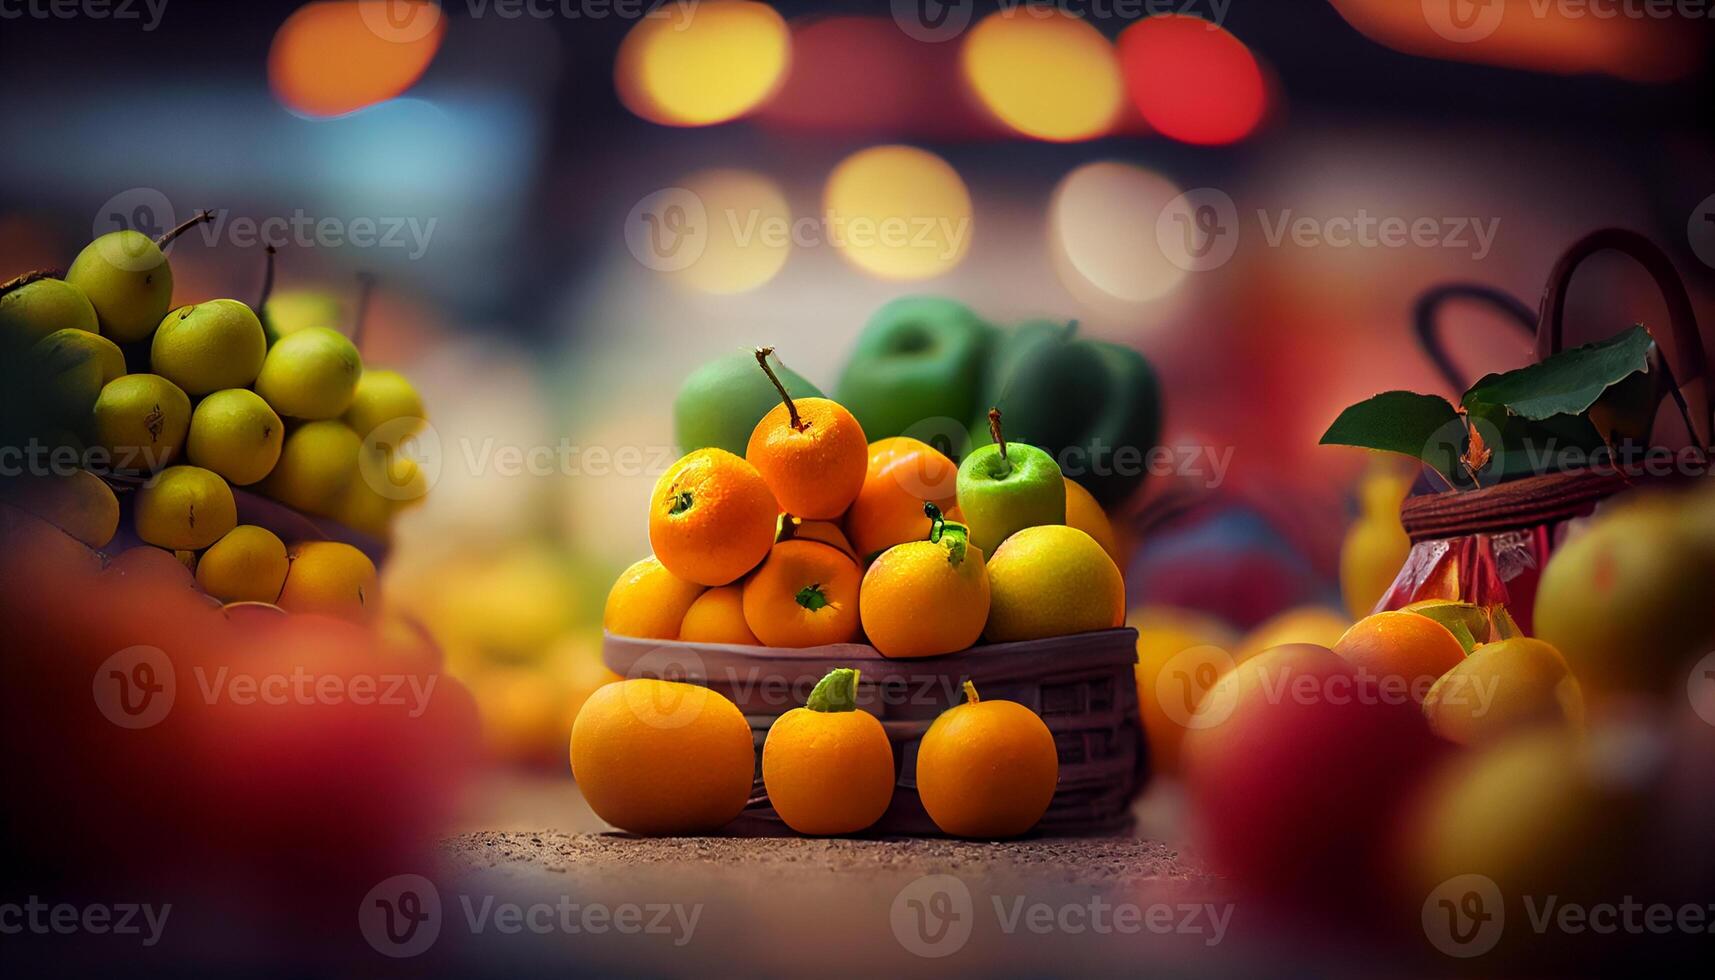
pixel 1251 193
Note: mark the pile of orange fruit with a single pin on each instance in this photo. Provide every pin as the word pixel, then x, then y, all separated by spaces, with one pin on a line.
pixel 817 536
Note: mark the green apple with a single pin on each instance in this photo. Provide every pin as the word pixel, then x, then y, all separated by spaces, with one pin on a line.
pixel 1006 488
pixel 1094 406
pixel 918 359
pixel 721 402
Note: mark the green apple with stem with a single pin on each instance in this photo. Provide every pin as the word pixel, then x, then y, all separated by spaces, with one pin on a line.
pixel 1006 487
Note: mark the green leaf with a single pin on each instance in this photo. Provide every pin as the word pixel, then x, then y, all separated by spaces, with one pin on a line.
pixel 1526 447
pixel 1424 427
pixel 1463 619
pixel 1505 626
pixel 1567 383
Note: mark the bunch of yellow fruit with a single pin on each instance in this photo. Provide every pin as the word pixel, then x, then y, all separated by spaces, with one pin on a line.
pixel 191 401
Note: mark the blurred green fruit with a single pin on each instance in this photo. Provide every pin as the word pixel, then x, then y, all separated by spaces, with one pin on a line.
pixel 721 402
pixel 37 309
pixel 919 359
pixel 291 310
pixel 141 421
pixel 310 374
pixel 383 396
pixel 128 280
pixel 317 463
pixel 1094 406
pixel 209 346
pixel 234 433
pixel 69 368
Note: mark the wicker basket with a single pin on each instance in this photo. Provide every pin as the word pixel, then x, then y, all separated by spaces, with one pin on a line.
pixel 1083 687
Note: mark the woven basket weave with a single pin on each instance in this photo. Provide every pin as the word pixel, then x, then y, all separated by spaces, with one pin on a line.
pixel 1082 686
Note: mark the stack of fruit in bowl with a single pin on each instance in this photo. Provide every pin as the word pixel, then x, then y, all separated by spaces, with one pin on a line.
pixel 817 536
pixel 109 386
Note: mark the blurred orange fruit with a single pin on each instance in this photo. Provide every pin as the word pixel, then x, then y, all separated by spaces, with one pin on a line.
pixel 711 517
pixel 811 451
pixel 1405 651
pixel 648 601
pixel 1083 513
pixel 902 474
pixel 717 617
pixel 1503 687
pixel 804 595
pixel 1181 653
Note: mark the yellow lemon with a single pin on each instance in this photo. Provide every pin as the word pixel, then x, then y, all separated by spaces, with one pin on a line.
pixel 1503 687
pixel 234 433
pixel 310 374
pixel 70 367
pixel 185 507
pixel 127 279
pixel 1083 513
pixel 35 310
pixel 329 577
pixel 78 503
pixel 1052 580
pixel 317 463
pixel 209 346
pixel 141 420
pixel 247 565
pixel 383 396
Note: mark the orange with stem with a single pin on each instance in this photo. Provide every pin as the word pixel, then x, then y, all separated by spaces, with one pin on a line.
pixel 804 595
pixel 810 451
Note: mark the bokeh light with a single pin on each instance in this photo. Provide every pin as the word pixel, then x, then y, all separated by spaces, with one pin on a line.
pixel 333 57
pixel 1047 74
pixel 898 212
pixel 749 232
pixel 1191 80
pixel 703 64
pixel 1102 228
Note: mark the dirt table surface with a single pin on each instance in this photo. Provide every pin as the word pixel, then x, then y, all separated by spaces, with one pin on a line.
pixel 537 882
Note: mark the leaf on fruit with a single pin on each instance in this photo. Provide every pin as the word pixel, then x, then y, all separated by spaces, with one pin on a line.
pixel 1424 427
pixel 1505 626
pixel 1567 383
pixel 1466 621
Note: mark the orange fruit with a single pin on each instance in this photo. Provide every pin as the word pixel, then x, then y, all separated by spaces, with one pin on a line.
pixel 660 757
pixel 1406 652
pixel 717 617
pixel 648 601
pixel 924 598
pixel 804 595
pixel 902 474
pixel 711 517
pixel 1180 655
pixel 987 768
pixel 329 577
pixel 826 532
pixel 811 451
pixel 1083 513
pixel 828 767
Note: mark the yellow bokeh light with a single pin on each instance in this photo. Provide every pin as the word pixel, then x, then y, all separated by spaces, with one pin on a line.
pixel 332 57
pixel 1045 73
pixel 898 212
pixel 1103 228
pixel 702 64
pixel 749 231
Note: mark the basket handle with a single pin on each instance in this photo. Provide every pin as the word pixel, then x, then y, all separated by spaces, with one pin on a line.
pixel 1425 317
pixel 1682 320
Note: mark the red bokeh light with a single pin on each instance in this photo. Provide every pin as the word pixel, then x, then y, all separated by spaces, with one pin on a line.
pixel 1192 80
